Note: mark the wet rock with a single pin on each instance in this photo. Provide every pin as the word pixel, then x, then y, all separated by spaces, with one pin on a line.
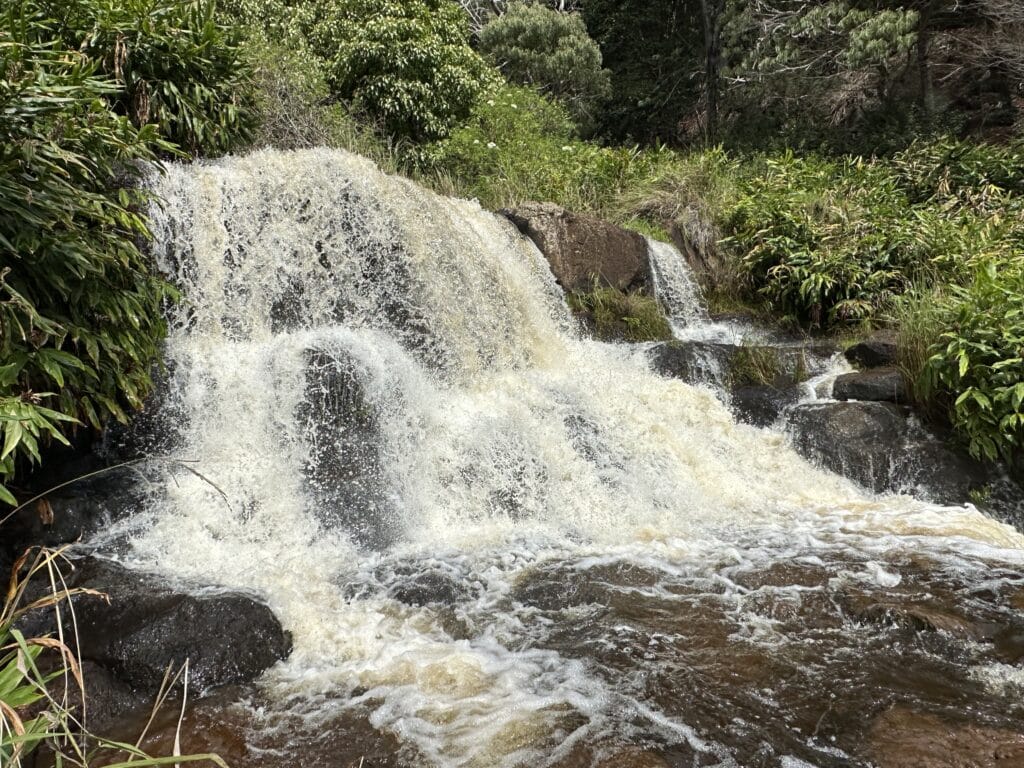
pixel 245 730
pixel 344 470
pixel 932 470
pixel 878 350
pixel 695 362
pixel 108 698
pixel 76 511
pixel 430 588
pixel 581 249
pixel 916 617
pixel 143 625
pixel 761 405
pixel 861 441
pixel 903 738
pixel 730 365
pixel 880 384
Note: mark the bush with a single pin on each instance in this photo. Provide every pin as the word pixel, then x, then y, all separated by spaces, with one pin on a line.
pixel 833 242
pixel 519 146
pixel 407 63
pixel 552 52
pixel 979 363
pixel 174 64
pixel 80 313
pixel 293 108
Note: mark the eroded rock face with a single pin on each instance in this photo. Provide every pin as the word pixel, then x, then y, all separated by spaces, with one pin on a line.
pixel 878 384
pixel 761 405
pixel 903 738
pixel 876 351
pixel 581 249
pixel 144 625
pixel 861 441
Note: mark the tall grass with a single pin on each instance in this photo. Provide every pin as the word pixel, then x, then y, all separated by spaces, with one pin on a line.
pixel 43 692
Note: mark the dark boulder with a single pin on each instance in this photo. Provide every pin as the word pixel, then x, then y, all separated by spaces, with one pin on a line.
pixel 760 404
pixel 878 350
pixel 861 441
pixel 75 511
pixel 143 625
pixel 881 384
pixel 582 249
pixel 695 362
pixel 344 471
pixel 936 472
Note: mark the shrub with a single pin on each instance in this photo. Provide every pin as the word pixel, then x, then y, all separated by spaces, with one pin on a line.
pixel 80 313
pixel 293 107
pixel 519 146
pixel 174 64
pixel 552 52
pixel 408 63
pixel 979 361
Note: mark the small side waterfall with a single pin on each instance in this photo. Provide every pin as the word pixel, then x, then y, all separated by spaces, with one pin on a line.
pixel 413 441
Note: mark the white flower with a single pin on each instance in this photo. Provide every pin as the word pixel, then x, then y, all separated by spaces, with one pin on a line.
pixel 567 148
pixel 513 106
pixel 490 102
pixel 476 141
pixel 491 145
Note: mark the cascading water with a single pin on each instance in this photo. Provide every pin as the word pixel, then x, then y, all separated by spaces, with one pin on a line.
pixel 502 543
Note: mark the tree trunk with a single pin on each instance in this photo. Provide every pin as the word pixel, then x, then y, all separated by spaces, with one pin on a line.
pixel 712 13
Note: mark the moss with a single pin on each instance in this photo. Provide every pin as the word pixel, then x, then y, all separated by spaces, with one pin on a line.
pixel 615 315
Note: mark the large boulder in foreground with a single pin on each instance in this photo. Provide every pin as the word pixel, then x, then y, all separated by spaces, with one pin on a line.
pixel 582 249
pixel 144 625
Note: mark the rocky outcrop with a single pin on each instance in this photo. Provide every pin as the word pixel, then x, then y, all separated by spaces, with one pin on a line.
pixel 761 405
pixel 582 249
pixel 876 445
pixel 730 365
pixel 877 351
pixel 878 384
pixel 143 625
pixel 861 441
pixel 75 512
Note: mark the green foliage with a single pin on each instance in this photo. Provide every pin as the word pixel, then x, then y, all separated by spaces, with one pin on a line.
pixel 832 242
pixel 293 107
pixel 615 314
pixel 173 62
pixel 519 146
pixel 654 50
pixel 754 365
pixel 408 63
pixel 552 52
pixel 80 312
pixel 979 361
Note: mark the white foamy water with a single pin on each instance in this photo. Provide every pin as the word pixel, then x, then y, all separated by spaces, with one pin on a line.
pixel 479 438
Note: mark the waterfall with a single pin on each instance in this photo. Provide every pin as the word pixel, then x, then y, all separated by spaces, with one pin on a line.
pixel 384 383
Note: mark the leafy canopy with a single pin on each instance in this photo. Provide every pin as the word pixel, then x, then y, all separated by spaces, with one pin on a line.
pixel 537 46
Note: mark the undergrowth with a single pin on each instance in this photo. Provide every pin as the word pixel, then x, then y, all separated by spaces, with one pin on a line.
pixel 614 314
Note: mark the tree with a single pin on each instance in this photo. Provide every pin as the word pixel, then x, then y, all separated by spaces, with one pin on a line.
pixel 407 62
pixel 551 51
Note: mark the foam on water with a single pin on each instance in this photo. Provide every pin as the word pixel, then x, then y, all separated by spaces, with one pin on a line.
pixel 504 442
